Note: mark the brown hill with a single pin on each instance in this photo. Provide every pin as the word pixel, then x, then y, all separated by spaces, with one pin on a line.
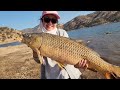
pixel 93 19
pixel 7 34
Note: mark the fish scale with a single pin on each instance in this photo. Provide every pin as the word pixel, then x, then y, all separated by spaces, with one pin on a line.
pixel 73 52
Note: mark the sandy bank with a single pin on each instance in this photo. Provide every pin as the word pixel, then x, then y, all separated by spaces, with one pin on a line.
pixel 16 62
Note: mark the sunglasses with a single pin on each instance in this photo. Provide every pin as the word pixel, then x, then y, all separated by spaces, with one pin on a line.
pixel 47 20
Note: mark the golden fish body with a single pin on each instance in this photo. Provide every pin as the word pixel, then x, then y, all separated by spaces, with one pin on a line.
pixel 68 51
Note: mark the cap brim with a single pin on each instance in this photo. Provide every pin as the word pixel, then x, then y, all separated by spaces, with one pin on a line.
pixel 58 17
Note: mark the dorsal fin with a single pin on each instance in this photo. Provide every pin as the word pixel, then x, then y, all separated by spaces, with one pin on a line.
pixel 78 40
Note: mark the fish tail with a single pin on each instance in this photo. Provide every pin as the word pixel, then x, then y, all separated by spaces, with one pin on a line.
pixel 116 71
pixel 114 74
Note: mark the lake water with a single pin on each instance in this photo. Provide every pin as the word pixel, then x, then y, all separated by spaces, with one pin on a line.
pixel 10 44
pixel 104 39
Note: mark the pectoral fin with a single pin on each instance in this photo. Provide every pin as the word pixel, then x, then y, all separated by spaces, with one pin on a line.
pixel 61 65
pixel 40 58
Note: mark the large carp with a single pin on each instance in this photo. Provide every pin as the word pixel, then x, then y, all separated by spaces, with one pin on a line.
pixel 68 51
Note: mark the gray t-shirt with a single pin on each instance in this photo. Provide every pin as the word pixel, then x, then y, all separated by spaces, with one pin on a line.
pixel 51 70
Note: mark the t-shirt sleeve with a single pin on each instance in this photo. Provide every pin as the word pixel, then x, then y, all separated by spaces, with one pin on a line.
pixel 62 32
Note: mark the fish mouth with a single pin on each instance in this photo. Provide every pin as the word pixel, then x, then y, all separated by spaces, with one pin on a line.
pixel 23 38
pixel 19 37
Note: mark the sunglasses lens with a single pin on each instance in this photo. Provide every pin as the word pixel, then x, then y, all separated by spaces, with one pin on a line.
pixel 54 21
pixel 47 20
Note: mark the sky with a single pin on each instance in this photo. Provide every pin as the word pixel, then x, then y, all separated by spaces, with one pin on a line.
pixel 29 19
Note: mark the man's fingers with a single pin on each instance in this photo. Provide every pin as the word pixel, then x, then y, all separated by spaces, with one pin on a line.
pixel 80 63
pixel 84 63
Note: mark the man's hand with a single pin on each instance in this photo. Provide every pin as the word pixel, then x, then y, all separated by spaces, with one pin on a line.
pixel 82 64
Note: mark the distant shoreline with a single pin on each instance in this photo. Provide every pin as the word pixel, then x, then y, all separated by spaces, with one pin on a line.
pixel 8 41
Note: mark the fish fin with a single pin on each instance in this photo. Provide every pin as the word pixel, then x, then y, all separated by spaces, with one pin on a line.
pixel 114 76
pixel 78 40
pixel 61 65
pixel 92 69
pixel 115 72
pixel 35 57
pixel 40 58
pixel 108 75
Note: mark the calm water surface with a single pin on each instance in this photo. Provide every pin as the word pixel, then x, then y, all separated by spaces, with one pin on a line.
pixel 105 39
